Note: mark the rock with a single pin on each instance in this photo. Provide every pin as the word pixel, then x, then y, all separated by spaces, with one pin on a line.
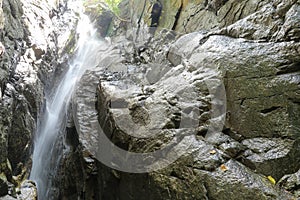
pixel 290 29
pixel 131 107
pixel 7 197
pixel 218 139
pixel 234 181
pixel 3 185
pixel 267 156
pixel 254 102
pixel 272 19
pixel 2 49
pixel 189 16
pixel 291 182
pixel 148 92
pixel 19 137
pixel 1 15
pixel 29 34
pixel 159 90
pixel 233 149
pixel 38 52
pixel 260 92
pixel 28 191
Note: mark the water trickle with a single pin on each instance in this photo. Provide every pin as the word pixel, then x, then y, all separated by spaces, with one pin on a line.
pixel 47 151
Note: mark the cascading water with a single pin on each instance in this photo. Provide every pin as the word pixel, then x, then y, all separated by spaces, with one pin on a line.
pixel 46 156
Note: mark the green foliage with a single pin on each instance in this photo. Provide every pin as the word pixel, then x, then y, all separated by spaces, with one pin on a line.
pixel 113 5
pixel 99 5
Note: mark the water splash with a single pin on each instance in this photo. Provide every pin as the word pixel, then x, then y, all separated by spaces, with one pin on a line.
pixel 47 153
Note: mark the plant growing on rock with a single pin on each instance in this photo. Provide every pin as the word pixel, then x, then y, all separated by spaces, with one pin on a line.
pixel 97 6
pixel 113 5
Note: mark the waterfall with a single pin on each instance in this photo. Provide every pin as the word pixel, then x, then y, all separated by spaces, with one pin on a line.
pixel 46 156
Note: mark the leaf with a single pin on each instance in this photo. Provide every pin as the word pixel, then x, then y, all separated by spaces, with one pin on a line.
pixel 223 168
pixel 113 5
pixel 271 179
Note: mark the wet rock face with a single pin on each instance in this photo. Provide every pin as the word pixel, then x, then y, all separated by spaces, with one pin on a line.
pixel 30 34
pixel 259 105
pixel 188 16
pixel 11 41
pixel 152 91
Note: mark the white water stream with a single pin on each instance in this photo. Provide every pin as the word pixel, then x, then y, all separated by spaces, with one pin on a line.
pixel 46 156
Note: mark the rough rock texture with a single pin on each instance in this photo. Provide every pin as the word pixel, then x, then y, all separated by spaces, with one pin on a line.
pixel 168 87
pixel 28 191
pixel 159 88
pixel 291 182
pixel 188 16
pixel 34 35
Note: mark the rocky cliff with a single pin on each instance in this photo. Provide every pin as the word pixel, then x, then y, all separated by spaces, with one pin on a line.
pixel 174 71
pixel 31 53
pixel 186 99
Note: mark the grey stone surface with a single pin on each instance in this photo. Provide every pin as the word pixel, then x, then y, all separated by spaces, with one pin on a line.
pixel 291 183
pixel 150 88
pixel 159 83
pixel 31 33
